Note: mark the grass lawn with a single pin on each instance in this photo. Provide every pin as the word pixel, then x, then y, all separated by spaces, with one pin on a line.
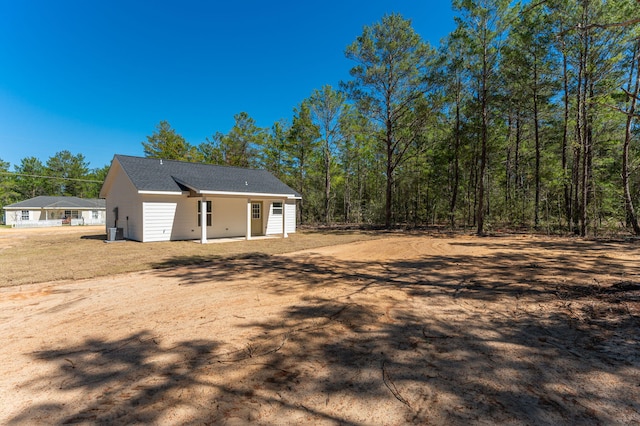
pixel 40 255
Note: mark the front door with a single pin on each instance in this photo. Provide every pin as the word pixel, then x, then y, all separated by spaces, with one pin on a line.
pixel 256 219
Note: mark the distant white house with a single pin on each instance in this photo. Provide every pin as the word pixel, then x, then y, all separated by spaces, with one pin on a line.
pixel 149 199
pixel 55 211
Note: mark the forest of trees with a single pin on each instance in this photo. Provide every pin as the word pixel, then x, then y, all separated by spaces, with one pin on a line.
pixel 524 117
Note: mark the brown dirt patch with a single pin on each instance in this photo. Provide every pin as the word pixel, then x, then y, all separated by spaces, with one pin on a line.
pixel 404 329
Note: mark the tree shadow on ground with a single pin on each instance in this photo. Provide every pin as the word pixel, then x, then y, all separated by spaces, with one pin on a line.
pixel 524 335
pixel 136 380
pixel 457 367
pixel 541 267
pixel 118 377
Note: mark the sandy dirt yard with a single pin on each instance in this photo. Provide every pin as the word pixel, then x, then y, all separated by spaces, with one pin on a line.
pixel 414 329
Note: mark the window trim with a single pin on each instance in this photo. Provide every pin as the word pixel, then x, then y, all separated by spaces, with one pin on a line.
pixel 72 214
pixel 209 213
pixel 277 210
pixel 256 211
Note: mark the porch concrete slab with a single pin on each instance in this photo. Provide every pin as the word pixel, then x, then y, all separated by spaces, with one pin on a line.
pixel 232 239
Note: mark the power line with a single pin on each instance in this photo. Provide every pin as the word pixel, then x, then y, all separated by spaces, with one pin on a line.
pixel 50 177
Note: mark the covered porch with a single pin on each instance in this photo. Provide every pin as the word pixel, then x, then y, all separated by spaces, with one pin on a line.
pixel 261 216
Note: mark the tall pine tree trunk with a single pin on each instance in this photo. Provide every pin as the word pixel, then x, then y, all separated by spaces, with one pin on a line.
pixel 389 174
pixel 580 164
pixel 633 98
pixel 456 163
pixel 484 136
pixel 565 140
pixel 519 189
pixel 536 129
pixel 507 165
pixel 584 119
pixel 327 183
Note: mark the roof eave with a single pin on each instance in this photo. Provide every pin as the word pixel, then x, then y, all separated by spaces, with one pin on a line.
pixel 247 194
pixel 151 192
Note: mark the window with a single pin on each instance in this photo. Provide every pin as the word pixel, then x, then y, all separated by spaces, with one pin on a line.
pixel 25 215
pixel 277 208
pixel 95 214
pixel 208 213
pixel 71 214
pixel 255 210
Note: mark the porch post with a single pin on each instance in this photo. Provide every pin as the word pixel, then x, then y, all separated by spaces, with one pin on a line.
pixel 248 234
pixel 284 219
pixel 203 220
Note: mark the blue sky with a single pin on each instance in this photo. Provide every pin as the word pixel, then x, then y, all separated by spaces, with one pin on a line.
pixel 96 77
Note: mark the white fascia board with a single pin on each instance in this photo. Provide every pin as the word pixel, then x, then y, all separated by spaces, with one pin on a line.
pixel 246 194
pixel 161 192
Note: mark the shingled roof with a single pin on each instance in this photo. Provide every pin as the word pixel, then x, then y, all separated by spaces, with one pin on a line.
pixel 156 175
pixel 58 203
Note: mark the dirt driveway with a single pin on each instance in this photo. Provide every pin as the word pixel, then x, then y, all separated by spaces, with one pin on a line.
pixel 516 330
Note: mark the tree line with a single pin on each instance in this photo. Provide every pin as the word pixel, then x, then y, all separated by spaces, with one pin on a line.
pixel 63 174
pixel 525 116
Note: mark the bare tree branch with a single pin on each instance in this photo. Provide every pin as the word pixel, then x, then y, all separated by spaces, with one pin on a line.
pixel 627 113
pixel 629 94
pixel 579 25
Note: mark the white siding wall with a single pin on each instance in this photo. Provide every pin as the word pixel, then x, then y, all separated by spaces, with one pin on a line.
pixel 185 216
pixel 124 196
pixel 228 218
pixel 87 217
pixel 274 222
pixel 158 220
pixel 290 207
pixel 11 217
pixel 14 217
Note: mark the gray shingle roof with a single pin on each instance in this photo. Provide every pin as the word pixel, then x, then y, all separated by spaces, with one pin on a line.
pixel 151 174
pixel 51 202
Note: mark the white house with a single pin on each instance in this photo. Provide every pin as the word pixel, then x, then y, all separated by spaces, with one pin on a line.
pixel 55 211
pixel 151 199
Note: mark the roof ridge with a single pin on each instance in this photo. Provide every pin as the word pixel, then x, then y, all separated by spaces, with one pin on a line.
pixel 193 162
